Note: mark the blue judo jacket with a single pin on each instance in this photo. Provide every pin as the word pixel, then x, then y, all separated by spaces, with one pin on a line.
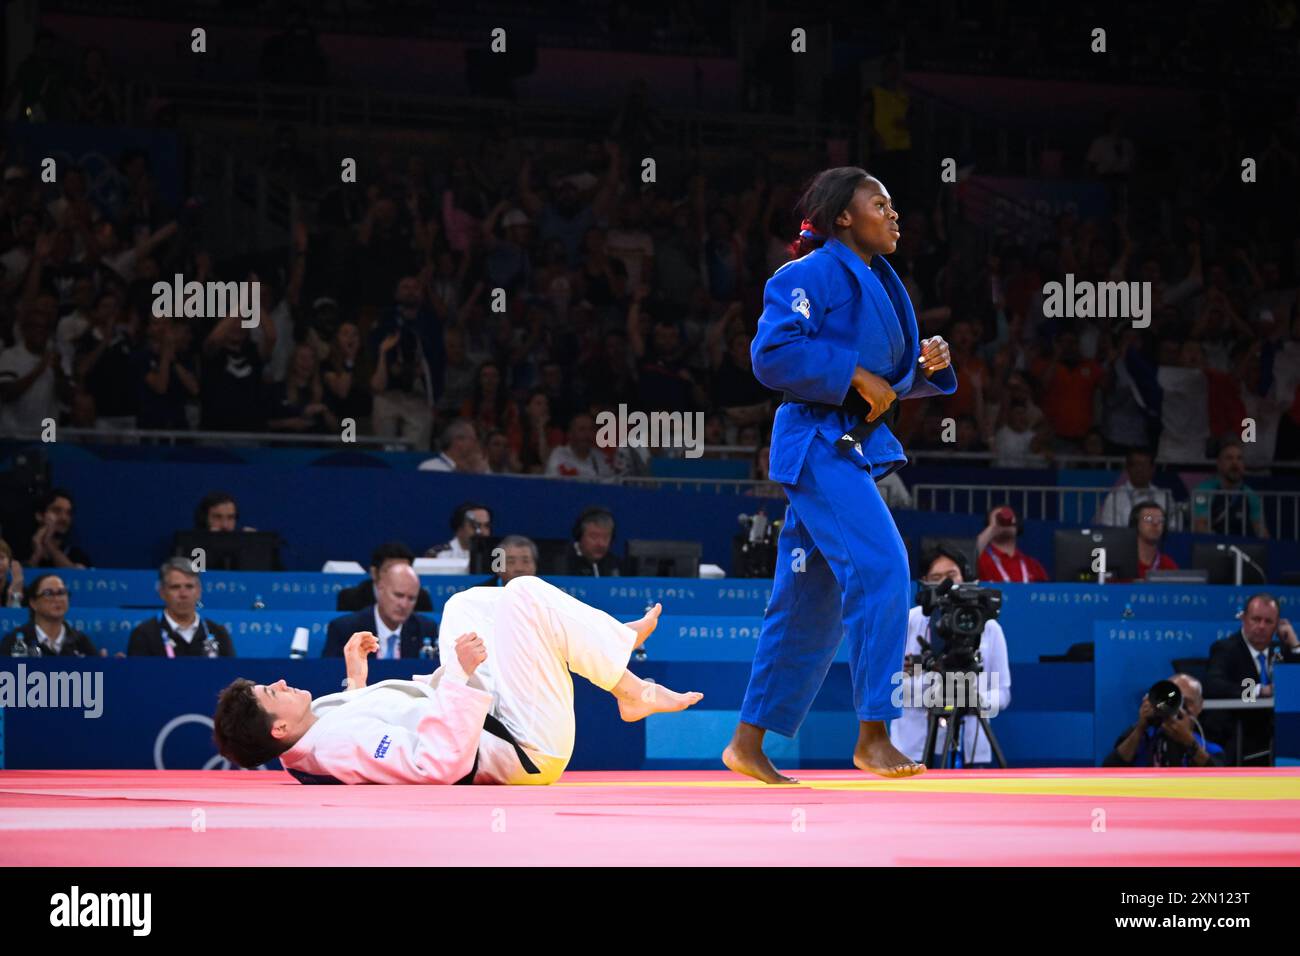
pixel 823 315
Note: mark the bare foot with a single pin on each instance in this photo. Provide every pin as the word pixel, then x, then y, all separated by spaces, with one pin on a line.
pixel 655 699
pixel 881 757
pixel 745 755
pixel 646 625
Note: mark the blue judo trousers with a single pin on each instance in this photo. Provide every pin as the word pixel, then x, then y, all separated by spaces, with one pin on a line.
pixel 842 570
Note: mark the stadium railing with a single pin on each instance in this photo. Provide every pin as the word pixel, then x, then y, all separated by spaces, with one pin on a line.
pixel 150 436
pixel 1078 505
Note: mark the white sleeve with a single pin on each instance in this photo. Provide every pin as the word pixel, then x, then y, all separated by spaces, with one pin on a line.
pixel 10 366
pixel 916 624
pixel 440 750
pixel 554 460
pixel 997 667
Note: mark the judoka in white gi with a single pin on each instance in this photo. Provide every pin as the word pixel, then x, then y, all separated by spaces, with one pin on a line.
pixel 498 710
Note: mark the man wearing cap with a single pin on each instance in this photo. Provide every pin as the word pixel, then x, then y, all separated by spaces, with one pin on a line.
pixel 506 262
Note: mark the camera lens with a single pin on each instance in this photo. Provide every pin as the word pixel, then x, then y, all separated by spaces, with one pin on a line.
pixel 1165 698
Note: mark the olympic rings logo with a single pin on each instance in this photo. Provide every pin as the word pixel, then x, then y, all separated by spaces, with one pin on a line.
pixel 217 762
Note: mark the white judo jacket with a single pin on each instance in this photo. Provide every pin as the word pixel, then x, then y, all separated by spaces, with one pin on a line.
pixel 425 730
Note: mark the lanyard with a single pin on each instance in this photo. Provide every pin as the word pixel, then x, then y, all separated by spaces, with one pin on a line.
pixel 1024 565
pixel 169 641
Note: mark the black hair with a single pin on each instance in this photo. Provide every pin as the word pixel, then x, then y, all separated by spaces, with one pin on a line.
pixel 1135 513
pixel 33 587
pixel 52 496
pixel 824 198
pixel 462 509
pixel 501 395
pixel 390 551
pixel 594 514
pixel 241 727
pixel 952 554
pixel 207 503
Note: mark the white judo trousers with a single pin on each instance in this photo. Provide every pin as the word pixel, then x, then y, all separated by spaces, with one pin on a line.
pixel 536 637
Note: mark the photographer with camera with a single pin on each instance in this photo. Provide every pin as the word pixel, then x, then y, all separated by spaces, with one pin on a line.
pixel 942 648
pixel 1167 732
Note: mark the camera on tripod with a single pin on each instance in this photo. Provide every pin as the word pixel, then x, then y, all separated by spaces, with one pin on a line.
pixel 957 613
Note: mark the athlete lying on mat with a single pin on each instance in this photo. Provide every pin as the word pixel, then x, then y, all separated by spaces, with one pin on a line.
pixel 498 710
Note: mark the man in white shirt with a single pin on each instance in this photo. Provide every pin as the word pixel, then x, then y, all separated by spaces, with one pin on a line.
pixel 1184 412
pixel 469 520
pixel 908 732
pixel 1111 153
pixel 460 451
pixel 579 457
pixel 1013 441
pixel 180 631
pixel 500 710
pixel 29 372
pixel 121 258
pixel 1135 489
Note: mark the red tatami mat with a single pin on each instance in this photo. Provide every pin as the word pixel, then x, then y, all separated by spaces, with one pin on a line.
pixel 1069 817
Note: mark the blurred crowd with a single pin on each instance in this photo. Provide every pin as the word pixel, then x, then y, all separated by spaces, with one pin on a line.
pixel 485 305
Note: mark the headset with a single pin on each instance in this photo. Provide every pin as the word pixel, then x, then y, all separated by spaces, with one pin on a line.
pixel 1135 513
pixel 207 503
pixel 462 509
pixel 595 512
pixel 956 557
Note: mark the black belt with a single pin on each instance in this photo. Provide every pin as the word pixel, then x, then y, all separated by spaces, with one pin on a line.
pixel 498 729
pixel 490 724
pixel 857 406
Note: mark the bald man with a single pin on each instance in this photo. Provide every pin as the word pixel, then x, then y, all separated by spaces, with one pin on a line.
pixel 392 618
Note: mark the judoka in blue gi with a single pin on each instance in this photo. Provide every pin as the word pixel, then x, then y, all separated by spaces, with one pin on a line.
pixel 838 336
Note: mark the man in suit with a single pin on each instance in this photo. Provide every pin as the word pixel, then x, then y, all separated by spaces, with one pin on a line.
pixel 46 634
pixel 363 595
pixel 179 631
pixel 401 632
pixel 1243 662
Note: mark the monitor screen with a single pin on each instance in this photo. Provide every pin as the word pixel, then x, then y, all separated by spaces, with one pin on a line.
pixel 1079 554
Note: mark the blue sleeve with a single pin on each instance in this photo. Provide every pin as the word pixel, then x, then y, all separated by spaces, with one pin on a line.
pixel 787 352
pixel 942 382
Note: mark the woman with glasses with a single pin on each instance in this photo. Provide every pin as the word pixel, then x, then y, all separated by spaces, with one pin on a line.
pixel 47 633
